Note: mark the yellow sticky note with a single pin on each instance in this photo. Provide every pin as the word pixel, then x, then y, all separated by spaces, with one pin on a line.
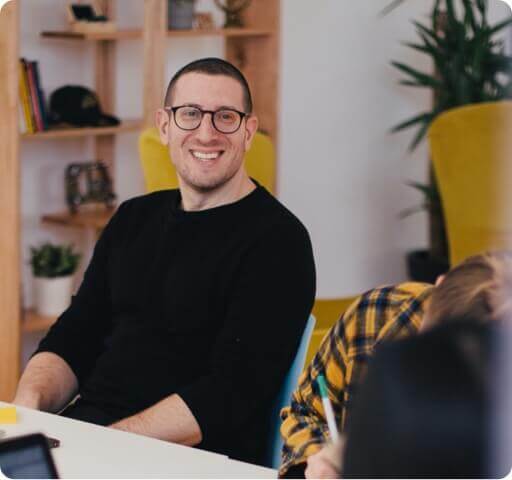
pixel 8 415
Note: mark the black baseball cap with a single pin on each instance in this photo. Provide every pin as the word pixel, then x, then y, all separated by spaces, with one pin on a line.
pixel 80 107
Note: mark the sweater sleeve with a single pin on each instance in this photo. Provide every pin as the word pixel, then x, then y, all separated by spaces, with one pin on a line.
pixel 78 334
pixel 270 301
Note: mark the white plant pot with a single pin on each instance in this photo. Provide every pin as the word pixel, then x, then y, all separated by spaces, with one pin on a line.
pixel 52 295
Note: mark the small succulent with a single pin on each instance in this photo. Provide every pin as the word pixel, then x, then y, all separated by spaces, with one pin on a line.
pixel 52 261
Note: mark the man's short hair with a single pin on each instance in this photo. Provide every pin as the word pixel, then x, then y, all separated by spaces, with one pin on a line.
pixel 480 287
pixel 212 66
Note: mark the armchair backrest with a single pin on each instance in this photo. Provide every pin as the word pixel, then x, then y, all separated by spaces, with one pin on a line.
pixel 160 174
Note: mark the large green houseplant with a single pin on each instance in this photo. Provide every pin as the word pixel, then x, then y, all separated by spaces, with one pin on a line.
pixel 470 66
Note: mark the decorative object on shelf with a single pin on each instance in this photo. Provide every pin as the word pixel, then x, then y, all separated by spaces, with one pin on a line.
pixel 233 10
pixel 83 18
pixel 470 67
pixel 53 267
pixel 88 183
pixel 180 14
pixel 203 21
pixel 80 107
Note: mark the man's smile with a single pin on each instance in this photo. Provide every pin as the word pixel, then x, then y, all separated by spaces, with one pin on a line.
pixel 210 155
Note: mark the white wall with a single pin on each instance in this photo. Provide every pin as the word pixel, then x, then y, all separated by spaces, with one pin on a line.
pixel 340 170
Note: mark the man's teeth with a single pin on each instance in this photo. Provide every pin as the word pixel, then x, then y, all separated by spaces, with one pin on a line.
pixel 206 156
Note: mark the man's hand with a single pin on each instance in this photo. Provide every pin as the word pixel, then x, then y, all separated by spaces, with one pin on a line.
pixel 326 463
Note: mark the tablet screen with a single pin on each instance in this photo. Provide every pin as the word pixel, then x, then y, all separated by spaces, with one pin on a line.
pixel 26 457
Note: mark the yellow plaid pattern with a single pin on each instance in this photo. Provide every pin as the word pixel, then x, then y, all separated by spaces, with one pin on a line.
pixel 378 315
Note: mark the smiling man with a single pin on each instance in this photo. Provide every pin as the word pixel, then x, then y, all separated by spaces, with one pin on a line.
pixel 194 302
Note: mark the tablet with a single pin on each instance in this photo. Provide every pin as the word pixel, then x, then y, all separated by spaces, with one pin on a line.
pixel 27 457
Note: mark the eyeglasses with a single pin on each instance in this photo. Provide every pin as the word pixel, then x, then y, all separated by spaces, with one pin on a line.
pixel 225 120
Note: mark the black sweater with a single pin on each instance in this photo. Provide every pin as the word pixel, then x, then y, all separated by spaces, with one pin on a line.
pixel 209 305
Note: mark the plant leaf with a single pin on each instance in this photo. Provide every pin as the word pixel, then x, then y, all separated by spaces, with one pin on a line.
pixel 417 75
pixel 496 28
pixel 423 117
pixel 389 8
pixel 469 16
pixel 420 135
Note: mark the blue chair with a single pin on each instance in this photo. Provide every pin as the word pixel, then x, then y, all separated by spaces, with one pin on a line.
pixel 285 394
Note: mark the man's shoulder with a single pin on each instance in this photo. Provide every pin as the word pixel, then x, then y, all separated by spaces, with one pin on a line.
pixel 277 216
pixel 141 209
pixel 160 197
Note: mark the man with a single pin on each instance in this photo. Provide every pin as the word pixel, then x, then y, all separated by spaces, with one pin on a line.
pixel 195 299
pixel 478 287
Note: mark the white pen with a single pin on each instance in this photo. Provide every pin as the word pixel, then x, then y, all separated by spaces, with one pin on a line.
pixel 329 413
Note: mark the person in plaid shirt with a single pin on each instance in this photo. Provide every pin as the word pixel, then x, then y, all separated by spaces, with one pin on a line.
pixel 380 315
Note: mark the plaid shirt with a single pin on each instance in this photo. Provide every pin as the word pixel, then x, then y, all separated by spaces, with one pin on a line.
pixel 379 315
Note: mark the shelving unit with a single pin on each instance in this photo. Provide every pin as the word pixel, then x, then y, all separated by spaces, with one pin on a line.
pixel 61 133
pixel 32 322
pixel 135 34
pixel 253 49
pixel 93 219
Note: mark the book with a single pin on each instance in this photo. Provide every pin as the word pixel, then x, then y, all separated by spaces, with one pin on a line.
pixel 21 118
pixel 40 96
pixel 24 95
pixel 34 97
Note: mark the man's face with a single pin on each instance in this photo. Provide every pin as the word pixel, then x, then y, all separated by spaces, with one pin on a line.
pixel 206 159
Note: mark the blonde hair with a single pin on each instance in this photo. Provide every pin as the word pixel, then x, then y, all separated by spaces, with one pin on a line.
pixel 480 288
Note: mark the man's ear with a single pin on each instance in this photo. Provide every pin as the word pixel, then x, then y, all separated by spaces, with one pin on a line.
pixel 251 127
pixel 162 123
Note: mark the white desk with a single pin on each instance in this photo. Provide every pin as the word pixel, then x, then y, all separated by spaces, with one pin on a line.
pixel 91 451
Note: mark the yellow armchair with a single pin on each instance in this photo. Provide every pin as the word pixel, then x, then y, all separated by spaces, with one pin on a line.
pixel 159 172
pixel 471 149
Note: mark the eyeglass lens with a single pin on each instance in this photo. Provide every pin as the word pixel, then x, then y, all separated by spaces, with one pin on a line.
pixel 225 121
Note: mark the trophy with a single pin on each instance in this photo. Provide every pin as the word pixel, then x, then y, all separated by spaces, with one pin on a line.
pixel 232 9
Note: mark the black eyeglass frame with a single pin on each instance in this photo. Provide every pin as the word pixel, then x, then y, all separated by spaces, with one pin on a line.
pixel 242 115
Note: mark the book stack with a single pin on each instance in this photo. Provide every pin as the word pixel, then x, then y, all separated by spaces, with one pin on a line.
pixel 33 114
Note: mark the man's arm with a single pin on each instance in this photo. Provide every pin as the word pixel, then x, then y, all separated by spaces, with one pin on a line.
pixel 47 384
pixel 170 420
pixel 77 337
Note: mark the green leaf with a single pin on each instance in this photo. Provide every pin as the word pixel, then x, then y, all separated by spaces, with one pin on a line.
pixel 419 135
pixel 450 14
pixel 469 16
pixel 406 212
pixel 428 32
pixel 496 28
pixel 389 8
pixel 419 76
pixel 423 117
pixel 426 189
pixel 53 260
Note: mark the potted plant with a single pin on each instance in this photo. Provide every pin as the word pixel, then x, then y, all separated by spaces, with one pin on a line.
pixel 470 67
pixel 53 267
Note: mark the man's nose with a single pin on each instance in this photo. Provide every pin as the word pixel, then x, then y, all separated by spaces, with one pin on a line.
pixel 206 130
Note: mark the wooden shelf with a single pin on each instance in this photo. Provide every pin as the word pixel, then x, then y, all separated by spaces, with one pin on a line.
pixel 220 32
pixel 134 34
pixel 95 219
pixel 33 322
pixel 60 133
